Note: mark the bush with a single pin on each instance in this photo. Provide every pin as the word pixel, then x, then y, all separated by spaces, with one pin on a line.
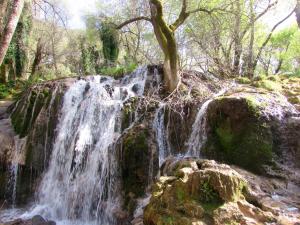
pixel 118 71
pixel 6 90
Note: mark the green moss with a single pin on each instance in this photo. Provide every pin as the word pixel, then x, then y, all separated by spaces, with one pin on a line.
pixel 168 220
pixel 241 139
pixel 247 148
pixel 208 194
pixel 180 194
pixel 135 169
pixel 225 134
pixel 243 80
pixel 268 85
pixel 294 100
pixel 119 70
pixel 210 207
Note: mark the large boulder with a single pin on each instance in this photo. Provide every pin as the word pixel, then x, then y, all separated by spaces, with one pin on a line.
pixel 245 127
pixel 193 191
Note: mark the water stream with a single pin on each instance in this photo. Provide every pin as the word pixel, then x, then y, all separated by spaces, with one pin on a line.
pixel 81 185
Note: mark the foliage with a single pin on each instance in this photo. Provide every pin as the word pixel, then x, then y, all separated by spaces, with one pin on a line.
pixel 119 70
pixel 110 40
pixel 208 195
pixel 6 90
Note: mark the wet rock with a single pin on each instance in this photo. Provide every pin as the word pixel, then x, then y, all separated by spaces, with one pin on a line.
pixel 205 192
pixel 138 150
pixel 244 128
pixel 28 137
pixel 36 220
pixel 193 189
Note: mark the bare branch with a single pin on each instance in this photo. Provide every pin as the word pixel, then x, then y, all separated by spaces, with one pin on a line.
pixel 54 9
pixel 133 20
pixel 269 37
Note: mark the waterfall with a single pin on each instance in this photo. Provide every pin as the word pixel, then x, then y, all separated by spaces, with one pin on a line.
pixel 14 168
pixel 81 185
pixel 198 136
pixel 53 96
pixel 160 132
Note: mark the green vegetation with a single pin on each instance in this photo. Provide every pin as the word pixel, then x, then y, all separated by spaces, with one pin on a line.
pixel 110 41
pixel 115 43
pixel 240 138
pixel 118 70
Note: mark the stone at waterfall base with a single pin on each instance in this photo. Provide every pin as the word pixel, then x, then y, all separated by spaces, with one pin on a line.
pixel 36 220
pixel 195 191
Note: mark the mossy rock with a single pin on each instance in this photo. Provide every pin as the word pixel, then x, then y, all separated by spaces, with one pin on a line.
pixel 136 149
pixel 238 134
pixel 194 197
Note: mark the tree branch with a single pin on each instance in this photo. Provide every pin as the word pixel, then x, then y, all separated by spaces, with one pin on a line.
pixel 133 20
pixel 269 37
pixel 182 16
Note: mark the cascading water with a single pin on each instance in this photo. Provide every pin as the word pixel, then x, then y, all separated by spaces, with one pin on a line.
pixel 199 133
pixel 47 126
pixel 81 185
pixel 14 168
pixel 160 132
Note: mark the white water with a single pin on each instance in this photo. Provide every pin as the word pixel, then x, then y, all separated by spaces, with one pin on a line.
pixel 14 168
pixel 81 185
pixel 198 136
pixel 161 135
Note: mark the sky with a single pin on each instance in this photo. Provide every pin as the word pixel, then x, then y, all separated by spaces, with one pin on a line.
pixel 78 8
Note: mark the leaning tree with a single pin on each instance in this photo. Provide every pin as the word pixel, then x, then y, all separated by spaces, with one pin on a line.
pixel 165 35
pixel 11 25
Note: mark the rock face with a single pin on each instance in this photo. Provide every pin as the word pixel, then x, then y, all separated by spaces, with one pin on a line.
pixel 247 127
pixel 138 160
pixel 28 135
pixel 194 191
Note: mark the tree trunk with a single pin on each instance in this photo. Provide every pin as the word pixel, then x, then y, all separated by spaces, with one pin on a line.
pixel 166 39
pixel 37 58
pixel 297 11
pixel 12 21
pixel 171 74
pixel 250 59
pixel 237 40
pixel 4 72
pixel 3 10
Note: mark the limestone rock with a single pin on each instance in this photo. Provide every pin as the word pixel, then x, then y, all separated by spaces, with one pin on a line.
pixel 193 191
pixel 247 127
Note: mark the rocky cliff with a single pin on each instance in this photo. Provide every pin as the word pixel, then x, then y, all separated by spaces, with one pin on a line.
pixel 160 148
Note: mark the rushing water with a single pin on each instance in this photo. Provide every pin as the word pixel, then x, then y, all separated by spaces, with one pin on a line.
pixel 161 135
pixel 198 136
pixel 81 184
